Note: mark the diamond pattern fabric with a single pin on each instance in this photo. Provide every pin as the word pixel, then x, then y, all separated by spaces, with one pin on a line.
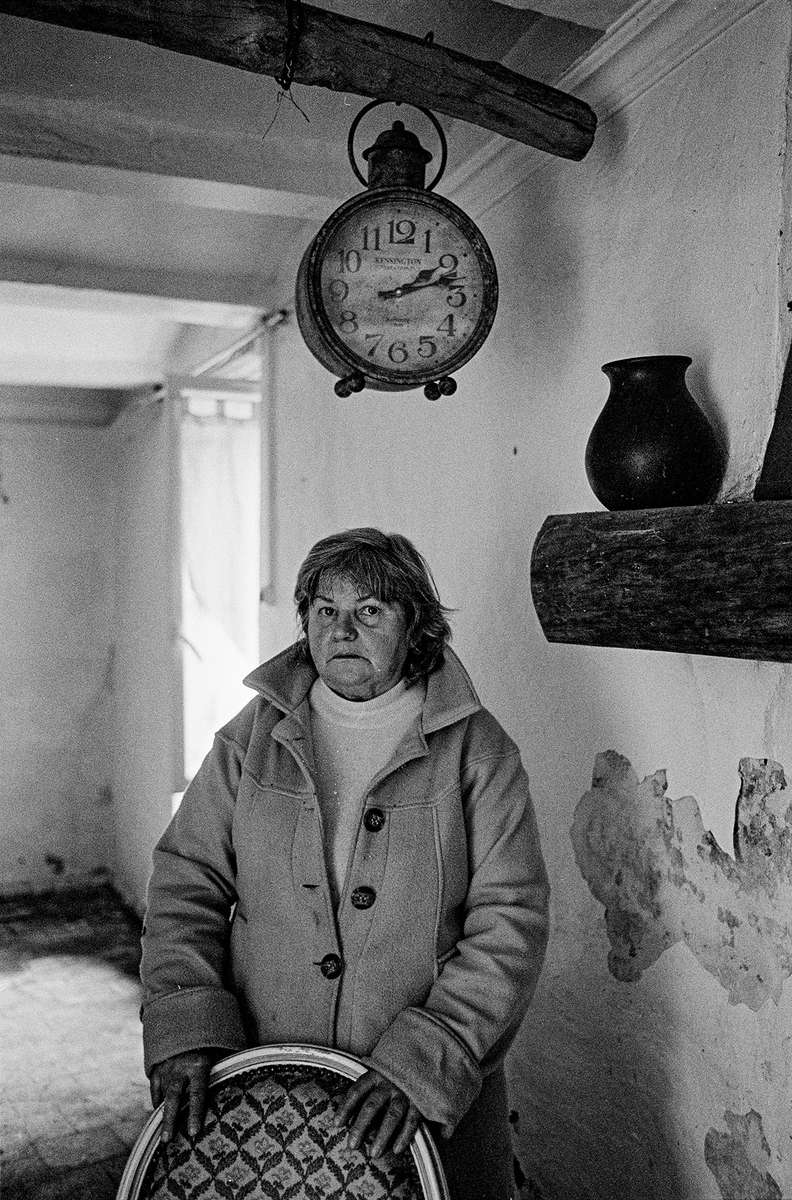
pixel 268 1135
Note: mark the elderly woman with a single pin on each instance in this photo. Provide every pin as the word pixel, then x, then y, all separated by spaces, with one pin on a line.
pixel 356 865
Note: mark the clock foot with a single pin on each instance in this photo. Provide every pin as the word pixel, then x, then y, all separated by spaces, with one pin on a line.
pixel 443 387
pixel 349 384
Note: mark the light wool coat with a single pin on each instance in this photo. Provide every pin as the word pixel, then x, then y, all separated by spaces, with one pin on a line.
pixel 435 974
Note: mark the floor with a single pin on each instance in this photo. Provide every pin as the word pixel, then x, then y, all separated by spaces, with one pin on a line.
pixel 73 1096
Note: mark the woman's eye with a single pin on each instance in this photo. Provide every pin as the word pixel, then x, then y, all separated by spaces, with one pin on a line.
pixel 324 611
pixel 370 610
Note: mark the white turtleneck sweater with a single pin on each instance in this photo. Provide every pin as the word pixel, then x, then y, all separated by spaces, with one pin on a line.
pixel 352 741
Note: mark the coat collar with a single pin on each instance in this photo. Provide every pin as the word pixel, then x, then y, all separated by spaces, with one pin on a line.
pixel 287 679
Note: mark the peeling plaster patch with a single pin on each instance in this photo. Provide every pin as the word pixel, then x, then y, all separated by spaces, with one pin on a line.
pixel 663 878
pixel 739 1159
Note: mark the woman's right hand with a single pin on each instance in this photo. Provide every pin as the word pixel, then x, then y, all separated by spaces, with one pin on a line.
pixel 171 1078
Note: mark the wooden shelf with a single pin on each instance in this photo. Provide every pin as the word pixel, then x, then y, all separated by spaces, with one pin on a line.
pixel 711 579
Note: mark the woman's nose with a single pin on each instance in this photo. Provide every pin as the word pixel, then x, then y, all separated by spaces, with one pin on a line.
pixel 345 626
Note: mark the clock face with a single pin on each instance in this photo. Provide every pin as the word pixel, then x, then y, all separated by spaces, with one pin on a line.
pixel 404 286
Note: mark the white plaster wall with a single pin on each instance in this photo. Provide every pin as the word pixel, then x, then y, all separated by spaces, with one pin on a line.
pixel 664 240
pixel 56 609
pixel 146 729
pixel 89 673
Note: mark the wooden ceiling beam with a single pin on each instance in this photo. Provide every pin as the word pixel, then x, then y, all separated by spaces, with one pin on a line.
pixel 253 291
pixel 342 54
pixel 60 298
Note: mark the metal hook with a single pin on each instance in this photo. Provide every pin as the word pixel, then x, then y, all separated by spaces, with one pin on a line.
pixel 294 17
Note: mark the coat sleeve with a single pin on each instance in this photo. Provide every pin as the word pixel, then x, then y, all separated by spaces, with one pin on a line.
pixel 438 1052
pixel 186 1003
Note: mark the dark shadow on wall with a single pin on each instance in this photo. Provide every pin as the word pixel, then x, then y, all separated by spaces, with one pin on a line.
pixel 590 1091
pixel 591 1075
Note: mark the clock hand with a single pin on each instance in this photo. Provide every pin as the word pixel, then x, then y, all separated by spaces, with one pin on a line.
pixel 404 289
pixel 422 276
pixel 411 286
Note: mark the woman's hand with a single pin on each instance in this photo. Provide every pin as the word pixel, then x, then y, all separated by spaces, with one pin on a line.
pixel 170 1079
pixel 382 1110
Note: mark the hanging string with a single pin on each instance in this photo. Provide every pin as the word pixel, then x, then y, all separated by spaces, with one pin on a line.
pixel 294 25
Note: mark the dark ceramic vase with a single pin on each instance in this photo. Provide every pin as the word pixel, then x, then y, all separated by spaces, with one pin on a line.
pixel 652 446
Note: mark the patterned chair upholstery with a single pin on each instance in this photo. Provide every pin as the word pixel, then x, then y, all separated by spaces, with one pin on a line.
pixel 268 1135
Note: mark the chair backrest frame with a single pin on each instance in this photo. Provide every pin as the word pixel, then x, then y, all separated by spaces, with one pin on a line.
pixel 423 1149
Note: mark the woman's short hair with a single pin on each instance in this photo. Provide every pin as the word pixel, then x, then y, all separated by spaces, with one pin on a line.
pixel 388 567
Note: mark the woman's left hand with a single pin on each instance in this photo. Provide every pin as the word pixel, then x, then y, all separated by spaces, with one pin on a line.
pixel 373 1105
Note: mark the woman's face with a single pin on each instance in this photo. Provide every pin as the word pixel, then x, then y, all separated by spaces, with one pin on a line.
pixel 358 643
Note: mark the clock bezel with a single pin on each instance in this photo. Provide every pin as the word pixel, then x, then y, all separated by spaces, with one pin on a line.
pixel 378 375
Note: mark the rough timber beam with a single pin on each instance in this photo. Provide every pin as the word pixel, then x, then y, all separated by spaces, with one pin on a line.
pixel 341 54
pixel 708 579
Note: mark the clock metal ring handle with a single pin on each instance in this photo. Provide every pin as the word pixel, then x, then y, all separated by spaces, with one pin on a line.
pixel 429 115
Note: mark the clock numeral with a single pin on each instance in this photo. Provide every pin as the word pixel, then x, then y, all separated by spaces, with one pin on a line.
pixel 348 260
pixel 348 321
pixel 402 233
pixel 449 262
pixel 371 242
pixel 456 296
pixel 399 352
pixel 339 290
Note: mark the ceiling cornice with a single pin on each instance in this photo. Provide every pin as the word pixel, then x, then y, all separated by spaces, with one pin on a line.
pixel 651 40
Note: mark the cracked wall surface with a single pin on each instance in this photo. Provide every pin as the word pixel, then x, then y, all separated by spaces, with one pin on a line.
pixel 664 879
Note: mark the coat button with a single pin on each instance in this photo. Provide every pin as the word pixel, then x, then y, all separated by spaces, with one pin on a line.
pixel 331 966
pixel 374 820
pixel 363 897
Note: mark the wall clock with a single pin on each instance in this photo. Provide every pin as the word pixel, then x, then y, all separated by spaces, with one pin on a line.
pixel 398 288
